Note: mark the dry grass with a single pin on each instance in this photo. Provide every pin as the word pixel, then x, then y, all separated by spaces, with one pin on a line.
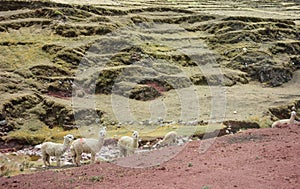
pixel 11 165
pixel 35 132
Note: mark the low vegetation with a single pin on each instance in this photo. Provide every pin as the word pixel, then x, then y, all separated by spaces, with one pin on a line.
pixel 63 63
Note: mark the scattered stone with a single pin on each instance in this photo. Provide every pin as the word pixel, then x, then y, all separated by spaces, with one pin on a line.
pixel 3 122
pixel 33 169
pixel 162 168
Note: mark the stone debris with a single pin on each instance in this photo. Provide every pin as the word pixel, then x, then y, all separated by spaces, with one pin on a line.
pixel 108 152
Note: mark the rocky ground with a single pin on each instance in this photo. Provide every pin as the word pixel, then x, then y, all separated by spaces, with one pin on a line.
pixel 261 158
pixel 197 67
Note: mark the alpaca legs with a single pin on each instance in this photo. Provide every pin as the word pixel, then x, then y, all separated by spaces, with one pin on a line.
pixel 74 158
pixel 77 159
pixel 58 161
pixel 130 152
pixel 46 159
pixel 123 152
pixel 93 155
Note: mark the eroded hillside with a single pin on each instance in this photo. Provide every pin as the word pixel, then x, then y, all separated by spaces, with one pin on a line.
pixel 72 65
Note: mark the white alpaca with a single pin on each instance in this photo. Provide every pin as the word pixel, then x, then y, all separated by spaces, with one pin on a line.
pixel 127 145
pixel 55 149
pixel 169 139
pixel 285 122
pixel 87 145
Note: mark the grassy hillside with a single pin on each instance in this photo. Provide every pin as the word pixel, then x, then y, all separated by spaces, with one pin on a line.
pixel 74 66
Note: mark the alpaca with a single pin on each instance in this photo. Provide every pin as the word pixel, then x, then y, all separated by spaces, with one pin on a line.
pixel 55 149
pixel 169 139
pixel 87 145
pixel 285 122
pixel 110 142
pixel 127 145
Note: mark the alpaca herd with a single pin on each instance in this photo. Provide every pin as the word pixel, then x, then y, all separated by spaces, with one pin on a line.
pixel 126 145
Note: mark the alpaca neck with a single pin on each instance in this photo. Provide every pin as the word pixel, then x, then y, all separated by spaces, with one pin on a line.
pixel 135 143
pixel 292 119
pixel 101 140
pixel 66 144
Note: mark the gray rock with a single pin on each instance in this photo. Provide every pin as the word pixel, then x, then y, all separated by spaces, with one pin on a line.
pixel 3 122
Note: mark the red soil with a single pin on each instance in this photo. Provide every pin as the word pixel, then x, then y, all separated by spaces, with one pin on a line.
pixel 60 94
pixel 261 158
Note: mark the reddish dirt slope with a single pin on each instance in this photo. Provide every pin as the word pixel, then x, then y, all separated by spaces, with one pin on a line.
pixel 263 158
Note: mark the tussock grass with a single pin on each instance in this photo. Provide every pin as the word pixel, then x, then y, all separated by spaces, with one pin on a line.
pixel 263 122
pixel 35 132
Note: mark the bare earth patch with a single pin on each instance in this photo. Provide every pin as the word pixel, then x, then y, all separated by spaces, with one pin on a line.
pixel 260 158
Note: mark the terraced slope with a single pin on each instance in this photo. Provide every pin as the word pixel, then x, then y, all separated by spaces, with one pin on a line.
pixel 73 65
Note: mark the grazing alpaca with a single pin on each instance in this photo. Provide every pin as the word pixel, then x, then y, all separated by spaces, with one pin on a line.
pixel 110 142
pixel 55 149
pixel 87 145
pixel 169 139
pixel 285 122
pixel 127 145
